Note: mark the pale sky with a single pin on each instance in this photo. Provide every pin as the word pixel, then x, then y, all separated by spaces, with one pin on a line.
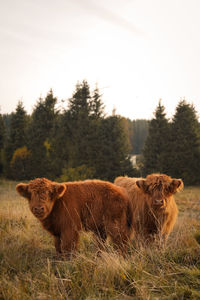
pixel 137 51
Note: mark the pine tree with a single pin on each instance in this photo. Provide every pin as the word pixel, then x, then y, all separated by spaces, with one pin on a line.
pixel 79 104
pixel 18 127
pixel 185 144
pixel 113 150
pixel 2 132
pixel 20 164
pixel 40 134
pixel 156 145
pixel 2 141
pixel 17 134
pixel 81 122
pixel 62 146
pixel 96 105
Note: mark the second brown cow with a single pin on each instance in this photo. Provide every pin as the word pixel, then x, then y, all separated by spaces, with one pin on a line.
pixel 154 208
pixel 64 209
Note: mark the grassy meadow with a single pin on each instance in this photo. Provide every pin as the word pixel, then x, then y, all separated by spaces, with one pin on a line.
pixel 30 269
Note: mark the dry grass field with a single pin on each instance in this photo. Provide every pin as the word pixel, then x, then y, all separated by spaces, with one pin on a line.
pixel 30 269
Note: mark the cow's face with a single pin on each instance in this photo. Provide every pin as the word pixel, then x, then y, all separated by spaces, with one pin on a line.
pixel 159 189
pixel 41 195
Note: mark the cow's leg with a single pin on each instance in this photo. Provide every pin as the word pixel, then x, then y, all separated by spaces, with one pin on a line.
pixel 168 227
pixel 120 242
pixel 57 242
pixel 100 236
pixel 119 233
pixel 69 241
pixel 165 234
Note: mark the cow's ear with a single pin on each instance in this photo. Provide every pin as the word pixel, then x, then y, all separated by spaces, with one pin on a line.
pixel 176 185
pixel 22 189
pixel 60 189
pixel 142 185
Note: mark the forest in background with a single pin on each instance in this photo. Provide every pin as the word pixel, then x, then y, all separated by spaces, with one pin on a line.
pixel 79 141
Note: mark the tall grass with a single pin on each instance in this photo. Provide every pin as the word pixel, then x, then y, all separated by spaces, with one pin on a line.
pixel 30 269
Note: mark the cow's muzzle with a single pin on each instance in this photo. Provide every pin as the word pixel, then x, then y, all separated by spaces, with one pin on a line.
pixel 38 211
pixel 159 202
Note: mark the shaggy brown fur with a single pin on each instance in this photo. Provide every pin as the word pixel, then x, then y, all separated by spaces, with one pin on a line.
pixel 154 208
pixel 64 209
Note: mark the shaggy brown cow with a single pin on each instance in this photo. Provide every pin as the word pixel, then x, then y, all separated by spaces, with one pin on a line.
pixel 64 209
pixel 154 208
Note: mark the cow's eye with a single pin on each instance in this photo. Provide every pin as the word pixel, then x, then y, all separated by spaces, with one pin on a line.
pixel 50 196
pixel 167 191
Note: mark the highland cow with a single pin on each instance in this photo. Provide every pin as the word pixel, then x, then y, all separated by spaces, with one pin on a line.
pixel 64 209
pixel 153 205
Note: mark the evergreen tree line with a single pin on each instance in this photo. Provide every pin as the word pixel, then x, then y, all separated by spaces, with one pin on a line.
pixel 76 142
pixel 173 147
pixel 79 141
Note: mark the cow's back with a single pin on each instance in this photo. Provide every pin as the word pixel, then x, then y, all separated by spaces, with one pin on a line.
pixel 93 201
pixel 135 194
pixel 138 200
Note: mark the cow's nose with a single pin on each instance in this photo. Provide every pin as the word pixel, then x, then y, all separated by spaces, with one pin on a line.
pixel 39 209
pixel 159 201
